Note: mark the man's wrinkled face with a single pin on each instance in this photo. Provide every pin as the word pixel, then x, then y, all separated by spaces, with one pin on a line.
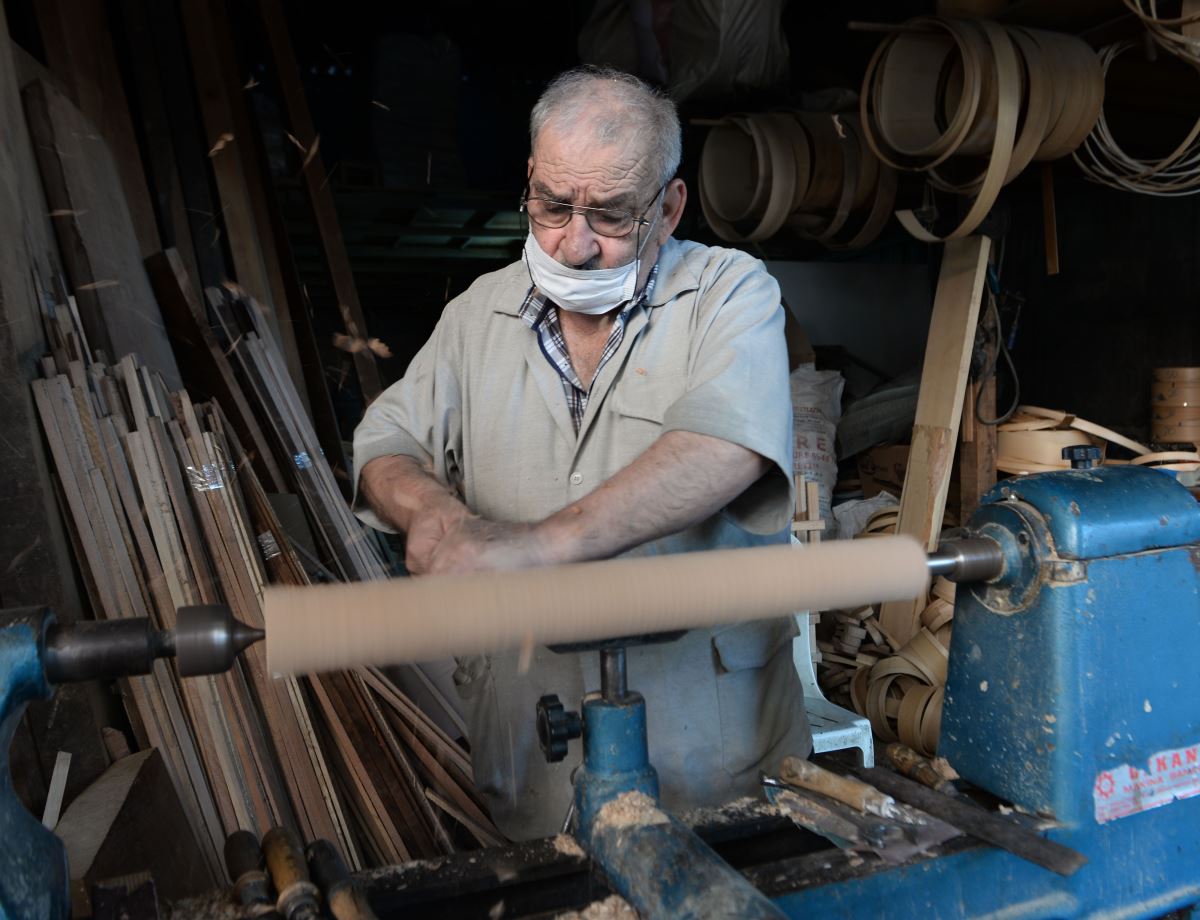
pixel 572 168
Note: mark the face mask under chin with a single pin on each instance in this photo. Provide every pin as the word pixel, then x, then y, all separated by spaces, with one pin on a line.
pixel 594 291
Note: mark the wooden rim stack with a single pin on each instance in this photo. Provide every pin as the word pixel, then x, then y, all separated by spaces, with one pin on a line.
pixel 938 89
pixel 1104 161
pixel 813 173
pixel 902 694
pixel 1032 440
pixel 881 523
pixel 1175 405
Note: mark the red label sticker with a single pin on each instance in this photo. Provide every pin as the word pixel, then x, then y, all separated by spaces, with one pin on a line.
pixel 1127 790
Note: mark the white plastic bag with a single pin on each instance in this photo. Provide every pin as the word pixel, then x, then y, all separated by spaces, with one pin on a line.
pixel 816 408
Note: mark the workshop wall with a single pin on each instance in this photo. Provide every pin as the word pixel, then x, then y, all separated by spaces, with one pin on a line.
pixel 1126 300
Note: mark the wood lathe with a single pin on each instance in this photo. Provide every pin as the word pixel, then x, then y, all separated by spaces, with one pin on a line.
pixel 1068 699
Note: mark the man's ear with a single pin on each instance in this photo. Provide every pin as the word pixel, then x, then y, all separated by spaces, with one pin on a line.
pixel 674 200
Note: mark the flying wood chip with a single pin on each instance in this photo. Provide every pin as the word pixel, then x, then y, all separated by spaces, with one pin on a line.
pixel 222 142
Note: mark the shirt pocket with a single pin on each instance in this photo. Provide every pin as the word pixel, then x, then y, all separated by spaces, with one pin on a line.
pixel 646 397
pixel 755 692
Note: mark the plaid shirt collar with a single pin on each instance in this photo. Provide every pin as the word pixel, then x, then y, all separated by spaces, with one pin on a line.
pixel 537 313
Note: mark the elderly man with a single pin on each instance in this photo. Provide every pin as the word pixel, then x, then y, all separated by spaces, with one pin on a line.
pixel 615 391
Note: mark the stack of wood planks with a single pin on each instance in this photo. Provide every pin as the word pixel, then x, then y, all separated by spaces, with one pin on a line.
pixel 166 509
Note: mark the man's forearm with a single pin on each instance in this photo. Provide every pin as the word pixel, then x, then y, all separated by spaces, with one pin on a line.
pixel 398 488
pixel 682 479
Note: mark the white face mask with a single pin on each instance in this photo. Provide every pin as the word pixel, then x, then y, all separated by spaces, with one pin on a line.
pixel 591 291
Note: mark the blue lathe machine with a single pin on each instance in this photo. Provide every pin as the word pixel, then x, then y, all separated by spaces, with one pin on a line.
pixel 1071 697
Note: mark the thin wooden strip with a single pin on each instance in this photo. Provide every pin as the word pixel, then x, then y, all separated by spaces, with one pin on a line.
pixel 157 510
pixel 78 460
pixel 168 462
pixel 346 532
pixel 151 567
pixel 100 573
pixel 439 775
pixel 379 823
pixel 333 802
pixel 258 760
pixel 406 768
pixel 386 778
pixel 477 831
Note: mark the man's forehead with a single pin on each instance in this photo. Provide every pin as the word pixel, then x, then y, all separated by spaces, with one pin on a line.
pixel 572 166
pixel 563 189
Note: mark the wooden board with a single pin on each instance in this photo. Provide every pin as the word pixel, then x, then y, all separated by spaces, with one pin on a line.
pixel 256 170
pixel 95 232
pixel 320 196
pixel 221 130
pixel 79 50
pixel 977 450
pixel 939 409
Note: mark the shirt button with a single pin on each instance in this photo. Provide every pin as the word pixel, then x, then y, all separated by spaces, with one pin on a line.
pixel 576 478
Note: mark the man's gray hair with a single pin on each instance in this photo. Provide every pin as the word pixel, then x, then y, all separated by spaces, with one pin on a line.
pixel 618 108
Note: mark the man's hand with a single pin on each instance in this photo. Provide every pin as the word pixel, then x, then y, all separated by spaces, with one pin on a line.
pixel 408 497
pixel 476 544
pixel 427 529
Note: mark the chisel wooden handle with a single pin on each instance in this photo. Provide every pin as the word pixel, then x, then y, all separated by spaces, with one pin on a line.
pixel 345 900
pixel 289 871
pixel 858 795
pixel 251 887
pixel 911 764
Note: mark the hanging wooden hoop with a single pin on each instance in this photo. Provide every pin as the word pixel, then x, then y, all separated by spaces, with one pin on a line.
pixel 1007 79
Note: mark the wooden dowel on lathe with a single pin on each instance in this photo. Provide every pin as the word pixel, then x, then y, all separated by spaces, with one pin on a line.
pixel 333 627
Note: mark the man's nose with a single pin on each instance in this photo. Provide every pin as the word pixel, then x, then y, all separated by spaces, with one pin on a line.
pixel 579 243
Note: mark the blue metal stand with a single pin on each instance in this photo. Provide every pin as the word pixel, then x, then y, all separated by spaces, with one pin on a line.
pixel 656 863
pixel 33 862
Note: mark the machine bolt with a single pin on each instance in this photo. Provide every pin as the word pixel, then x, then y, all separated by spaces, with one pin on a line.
pixel 1082 456
pixel 555 727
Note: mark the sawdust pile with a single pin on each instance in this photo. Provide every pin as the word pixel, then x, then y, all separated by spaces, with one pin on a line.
pixel 630 809
pixel 614 907
pixel 568 846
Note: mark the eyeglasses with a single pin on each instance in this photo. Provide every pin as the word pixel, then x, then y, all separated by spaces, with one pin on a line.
pixel 613 222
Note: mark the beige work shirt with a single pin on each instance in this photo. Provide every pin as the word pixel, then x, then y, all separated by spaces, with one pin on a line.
pixel 482 405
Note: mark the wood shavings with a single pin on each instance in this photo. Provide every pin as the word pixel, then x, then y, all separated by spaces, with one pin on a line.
pixel 377 103
pixel 98 285
pixel 526 656
pixel 942 765
pixel 355 344
pixel 630 809
pixel 251 83
pixel 308 157
pixel 67 212
pixel 20 557
pixel 568 846
pixel 222 142
pixel 614 907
